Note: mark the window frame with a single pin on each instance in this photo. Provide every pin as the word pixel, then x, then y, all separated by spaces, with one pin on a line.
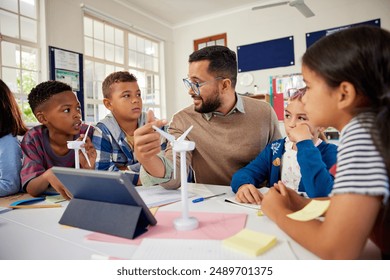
pixel 209 39
pixel 148 91
pixel 19 88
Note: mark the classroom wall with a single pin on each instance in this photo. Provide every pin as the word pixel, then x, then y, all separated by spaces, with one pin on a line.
pixel 64 29
pixel 247 27
pixel 64 24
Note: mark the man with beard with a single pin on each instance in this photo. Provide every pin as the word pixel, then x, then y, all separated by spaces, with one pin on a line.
pixel 229 130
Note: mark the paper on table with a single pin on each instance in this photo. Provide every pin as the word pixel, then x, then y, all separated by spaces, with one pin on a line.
pixel 103 257
pixel 233 200
pixel 250 242
pixel 158 196
pixel 185 249
pixel 211 226
pixel 4 209
pixel 203 190
pixel 312 210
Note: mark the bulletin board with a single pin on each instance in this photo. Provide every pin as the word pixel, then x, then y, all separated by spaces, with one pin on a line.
pixel 280 86
pixel 312 37
pixel 67 67
pixel 265 55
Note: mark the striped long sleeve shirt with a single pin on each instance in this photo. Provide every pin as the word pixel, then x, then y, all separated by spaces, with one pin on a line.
pixel 360 166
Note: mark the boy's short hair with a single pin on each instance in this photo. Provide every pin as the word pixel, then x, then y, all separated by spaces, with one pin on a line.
pixel 116 77
pixel 44 91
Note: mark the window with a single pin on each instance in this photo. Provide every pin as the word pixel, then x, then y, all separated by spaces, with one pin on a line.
pixel 19 50
pixel 109 48
pixel 219 40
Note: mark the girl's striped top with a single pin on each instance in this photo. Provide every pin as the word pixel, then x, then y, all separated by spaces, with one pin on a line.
pixel 360 166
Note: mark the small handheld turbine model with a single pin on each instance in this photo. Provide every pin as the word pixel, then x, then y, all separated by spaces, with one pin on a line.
pixel 182 146
pixel 76 145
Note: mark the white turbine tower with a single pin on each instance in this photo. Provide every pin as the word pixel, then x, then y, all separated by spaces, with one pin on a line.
pixel 76 145
pixel 181 145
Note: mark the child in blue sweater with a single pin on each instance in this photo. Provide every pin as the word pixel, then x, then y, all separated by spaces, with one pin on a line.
pixel 301 160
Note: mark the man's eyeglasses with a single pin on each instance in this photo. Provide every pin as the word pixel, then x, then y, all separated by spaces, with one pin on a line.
pixel 195 86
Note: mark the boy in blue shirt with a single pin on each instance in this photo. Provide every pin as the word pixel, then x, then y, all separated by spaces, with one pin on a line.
pixel 114 135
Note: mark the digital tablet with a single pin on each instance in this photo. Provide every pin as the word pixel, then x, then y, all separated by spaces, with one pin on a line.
pixel 103 186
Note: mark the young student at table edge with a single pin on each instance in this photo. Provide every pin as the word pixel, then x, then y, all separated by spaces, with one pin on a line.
pixel 301 160
pixel 11 125
pixel 347 75
pixel 114 135
pixel 57 108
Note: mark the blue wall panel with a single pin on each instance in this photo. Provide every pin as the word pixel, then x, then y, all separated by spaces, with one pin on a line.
pixel 312 37
pixel 265 55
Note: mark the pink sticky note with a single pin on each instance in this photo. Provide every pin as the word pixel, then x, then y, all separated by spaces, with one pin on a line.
pixel 215 226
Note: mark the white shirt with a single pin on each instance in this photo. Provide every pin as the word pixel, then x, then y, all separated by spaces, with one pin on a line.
pixel 290 169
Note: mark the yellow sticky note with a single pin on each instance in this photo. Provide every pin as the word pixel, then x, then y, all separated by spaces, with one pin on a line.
pixel 312 210
pixel 250 242
pixel 153 210
pixel 55 198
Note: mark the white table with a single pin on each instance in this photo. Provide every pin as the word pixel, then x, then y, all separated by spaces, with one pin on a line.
pixel 36 233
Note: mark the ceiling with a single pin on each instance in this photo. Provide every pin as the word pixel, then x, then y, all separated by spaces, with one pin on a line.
pixel 176 13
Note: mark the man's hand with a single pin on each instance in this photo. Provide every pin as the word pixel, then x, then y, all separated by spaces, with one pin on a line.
pixel 147 146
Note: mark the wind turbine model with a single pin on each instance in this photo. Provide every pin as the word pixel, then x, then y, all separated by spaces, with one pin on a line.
pixel 182 146
pixel 76 145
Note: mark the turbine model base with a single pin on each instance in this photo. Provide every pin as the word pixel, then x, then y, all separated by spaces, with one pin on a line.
pixel 185 224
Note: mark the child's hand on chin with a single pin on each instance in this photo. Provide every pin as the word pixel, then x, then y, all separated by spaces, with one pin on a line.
pixel 300 132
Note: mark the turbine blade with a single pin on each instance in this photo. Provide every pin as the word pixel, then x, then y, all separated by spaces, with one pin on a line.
pixel 163 133
pixel 74 144
pixel 86 156
pixel 86 134
pixel 184 135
